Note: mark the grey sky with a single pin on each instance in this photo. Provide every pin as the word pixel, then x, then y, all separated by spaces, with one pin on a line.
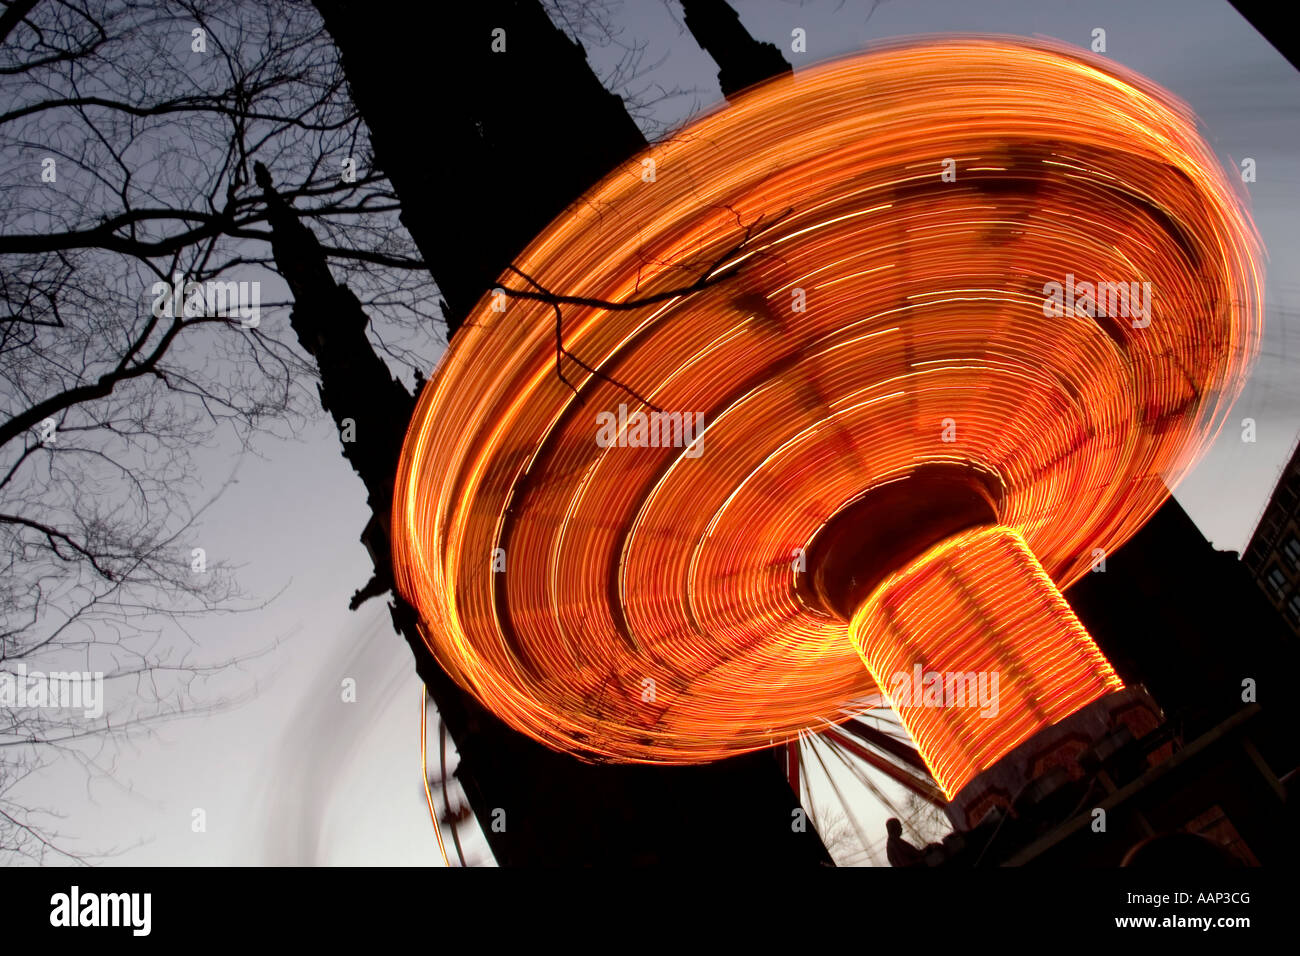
pixel 298 776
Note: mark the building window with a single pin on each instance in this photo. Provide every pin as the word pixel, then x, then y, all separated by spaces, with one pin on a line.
pixel 1292 550
pixel 1277 580
pixel 1293 608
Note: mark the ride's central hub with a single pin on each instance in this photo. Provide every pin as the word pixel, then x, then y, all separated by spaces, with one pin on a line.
pixel 882 530
pixel 977 651
pixel 957 621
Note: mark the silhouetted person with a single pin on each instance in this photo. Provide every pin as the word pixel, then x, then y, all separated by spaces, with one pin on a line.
pixel 898 851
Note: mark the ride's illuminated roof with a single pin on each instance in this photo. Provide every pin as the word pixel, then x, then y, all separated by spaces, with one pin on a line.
pixel 888 260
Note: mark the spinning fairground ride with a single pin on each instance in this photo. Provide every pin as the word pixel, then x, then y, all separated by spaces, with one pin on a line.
pixel 830 393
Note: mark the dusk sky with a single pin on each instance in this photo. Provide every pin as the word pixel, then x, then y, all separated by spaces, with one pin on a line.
pixel 291 774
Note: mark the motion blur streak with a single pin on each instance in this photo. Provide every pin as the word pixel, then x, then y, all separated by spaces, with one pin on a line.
pixel 424 771
pixel 650 604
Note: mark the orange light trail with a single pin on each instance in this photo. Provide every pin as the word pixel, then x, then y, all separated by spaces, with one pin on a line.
pixel 650 606
pixel 424 771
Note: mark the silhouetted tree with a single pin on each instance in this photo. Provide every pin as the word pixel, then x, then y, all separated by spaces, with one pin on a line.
pixel 129 133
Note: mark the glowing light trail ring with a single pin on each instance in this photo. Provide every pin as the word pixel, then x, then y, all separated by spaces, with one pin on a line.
pixel 649 608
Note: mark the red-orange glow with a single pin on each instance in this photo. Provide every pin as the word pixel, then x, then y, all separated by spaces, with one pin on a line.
pixel 977 651
pixel 649 606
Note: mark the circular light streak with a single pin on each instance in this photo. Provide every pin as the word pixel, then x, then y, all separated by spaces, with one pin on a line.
pixel 647 603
